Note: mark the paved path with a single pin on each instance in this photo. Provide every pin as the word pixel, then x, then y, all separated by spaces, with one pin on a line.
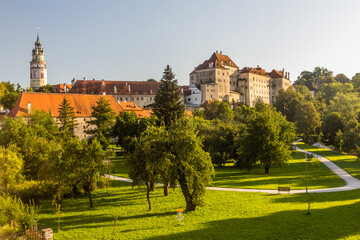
pixel 351 182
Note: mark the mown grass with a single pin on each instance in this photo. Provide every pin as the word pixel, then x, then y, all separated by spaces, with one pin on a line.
pixel 292 175
pixel 349 163
pixel 226 215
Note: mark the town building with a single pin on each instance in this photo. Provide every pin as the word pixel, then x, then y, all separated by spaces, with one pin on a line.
pixel 38 69
pixel 61 88
pixel 142 93
pixel 83 104
pixel 219 78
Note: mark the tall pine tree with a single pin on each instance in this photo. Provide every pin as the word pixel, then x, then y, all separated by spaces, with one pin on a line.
pixel 67 117
pixel 168 106
pixel 103 118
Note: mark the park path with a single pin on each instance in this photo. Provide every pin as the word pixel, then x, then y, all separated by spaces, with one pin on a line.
pixel 351 182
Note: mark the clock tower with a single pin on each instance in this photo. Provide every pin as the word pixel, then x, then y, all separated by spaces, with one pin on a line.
pixel 38 71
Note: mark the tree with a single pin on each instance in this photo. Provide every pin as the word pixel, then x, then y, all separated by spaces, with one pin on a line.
pixel 218 110
pixel 150 160
pixel 90 164
pixel 173 154
pixel 168 106
pixel 67 118
pixel 45 89
pixel 11 166
pixel 331 124
pixel 327 92
pixel 191 165
pixel 307 118
pixel 355 80
pixel 219 140
pixel 103 119
pixel 151 80
pixel 266 141
pixel 11 95
pixel 129 126
pixel 342 78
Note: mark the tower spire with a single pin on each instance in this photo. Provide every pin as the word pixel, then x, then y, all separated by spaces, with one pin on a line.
pixel 38 33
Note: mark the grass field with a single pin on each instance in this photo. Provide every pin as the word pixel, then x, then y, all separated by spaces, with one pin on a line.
pixel 347 162
pixel 226 215
pixel 291 175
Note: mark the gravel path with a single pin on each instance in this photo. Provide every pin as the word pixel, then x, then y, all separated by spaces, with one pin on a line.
pixel 351 182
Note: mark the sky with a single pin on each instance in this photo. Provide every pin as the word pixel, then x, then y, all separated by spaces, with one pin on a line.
pixel 135 40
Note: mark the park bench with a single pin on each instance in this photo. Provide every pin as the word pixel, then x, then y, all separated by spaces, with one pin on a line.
pixel 284 189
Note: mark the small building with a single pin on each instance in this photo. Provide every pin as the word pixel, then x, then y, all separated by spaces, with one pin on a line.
pixel 61 88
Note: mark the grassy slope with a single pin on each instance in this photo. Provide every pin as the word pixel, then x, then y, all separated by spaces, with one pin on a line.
pixel 226 215
pixel 291 175
pixel 347 162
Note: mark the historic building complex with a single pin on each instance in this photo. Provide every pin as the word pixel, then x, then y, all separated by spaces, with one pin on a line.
pixel 219 78
pixel 38 70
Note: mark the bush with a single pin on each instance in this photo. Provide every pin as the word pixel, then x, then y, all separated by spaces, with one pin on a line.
pixel 32 190
pixel 12 208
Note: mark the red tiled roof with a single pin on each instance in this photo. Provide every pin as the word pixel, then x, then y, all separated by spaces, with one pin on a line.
pixel 276 74
pixel 258 71
pixel 115 87
pixel 51 102
pixel 218 60
pixel 59 88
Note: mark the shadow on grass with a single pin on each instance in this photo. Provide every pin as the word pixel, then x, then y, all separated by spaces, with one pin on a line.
pixel 319 197
pixel 331 223
pixel 97 220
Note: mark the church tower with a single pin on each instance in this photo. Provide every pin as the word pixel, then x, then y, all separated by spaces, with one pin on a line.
pixel 38 71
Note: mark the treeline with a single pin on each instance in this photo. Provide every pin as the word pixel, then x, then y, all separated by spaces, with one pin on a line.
pixel 329 113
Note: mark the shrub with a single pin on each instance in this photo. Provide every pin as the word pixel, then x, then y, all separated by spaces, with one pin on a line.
pixel 12 208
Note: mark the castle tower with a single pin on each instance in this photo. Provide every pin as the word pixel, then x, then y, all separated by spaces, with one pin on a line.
pixel 38 71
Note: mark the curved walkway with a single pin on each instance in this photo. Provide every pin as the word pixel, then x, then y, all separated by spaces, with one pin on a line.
pixel 351 182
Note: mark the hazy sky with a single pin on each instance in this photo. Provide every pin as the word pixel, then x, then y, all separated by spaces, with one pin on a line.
pixel 134 40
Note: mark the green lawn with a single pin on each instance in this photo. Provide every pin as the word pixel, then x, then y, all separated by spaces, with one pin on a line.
pixel 347 162
pixel 291 175
pixel 226 215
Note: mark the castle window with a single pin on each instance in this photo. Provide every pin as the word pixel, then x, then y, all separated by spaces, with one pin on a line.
pixel 120 98
pixel 189 99
pixel 150 98
pixel 142 98
pixel 137 98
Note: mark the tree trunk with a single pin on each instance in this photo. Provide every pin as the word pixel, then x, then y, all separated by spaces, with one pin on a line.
pixel 90 195
pixel 166 189
pixel 190 206
pixel 152 186
pixel 148 195
pixel 267 169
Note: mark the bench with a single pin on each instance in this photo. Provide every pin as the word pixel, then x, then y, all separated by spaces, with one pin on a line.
pixel 284 189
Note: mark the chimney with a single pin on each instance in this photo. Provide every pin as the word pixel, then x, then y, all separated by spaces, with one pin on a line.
pixel 216 51
pixel 84 79
pixel 73 82
pixel 289 76
pixel 65 88
pixel 28 105
pixel 283 71
pixel 220 52
pixel 258 66
pixel 102 82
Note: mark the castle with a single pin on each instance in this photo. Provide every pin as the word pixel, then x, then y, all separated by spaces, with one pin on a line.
pixel 219 78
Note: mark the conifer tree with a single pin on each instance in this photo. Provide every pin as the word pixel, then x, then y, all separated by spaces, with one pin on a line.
pixel 168 106
pixel 67 117
pixel 103 119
